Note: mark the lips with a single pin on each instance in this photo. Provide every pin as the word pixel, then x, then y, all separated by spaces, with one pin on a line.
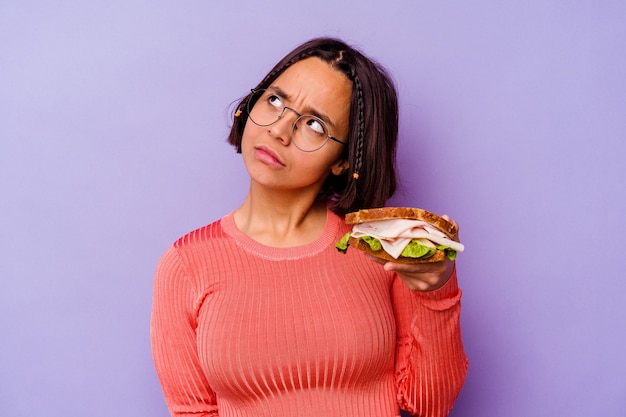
pixel 268 156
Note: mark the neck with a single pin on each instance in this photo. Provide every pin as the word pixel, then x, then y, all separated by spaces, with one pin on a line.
pixel 279 218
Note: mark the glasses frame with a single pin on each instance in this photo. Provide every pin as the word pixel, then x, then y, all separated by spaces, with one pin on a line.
pixel 250 105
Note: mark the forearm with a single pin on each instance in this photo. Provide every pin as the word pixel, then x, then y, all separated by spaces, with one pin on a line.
pixel 431 362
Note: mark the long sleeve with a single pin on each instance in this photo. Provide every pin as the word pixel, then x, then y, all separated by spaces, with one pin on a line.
pixel 431 364
pixel 173 337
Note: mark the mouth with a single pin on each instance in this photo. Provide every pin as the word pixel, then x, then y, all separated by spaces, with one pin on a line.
pixel 268 156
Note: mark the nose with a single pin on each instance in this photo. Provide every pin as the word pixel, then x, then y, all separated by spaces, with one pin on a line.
pixel 283 127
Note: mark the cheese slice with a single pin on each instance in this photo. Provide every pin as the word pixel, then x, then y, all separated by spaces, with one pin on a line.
pixel 396 234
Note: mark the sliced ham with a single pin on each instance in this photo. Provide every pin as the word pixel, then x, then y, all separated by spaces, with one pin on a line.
pixel 396 234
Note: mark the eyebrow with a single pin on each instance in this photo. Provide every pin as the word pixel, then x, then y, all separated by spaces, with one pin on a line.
pixel 282 94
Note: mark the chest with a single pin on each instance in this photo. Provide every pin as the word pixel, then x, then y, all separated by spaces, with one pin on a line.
pixel 268 327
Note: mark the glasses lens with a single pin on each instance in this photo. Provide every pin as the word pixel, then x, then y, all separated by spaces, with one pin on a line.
pixel 309 133
pixel 265 107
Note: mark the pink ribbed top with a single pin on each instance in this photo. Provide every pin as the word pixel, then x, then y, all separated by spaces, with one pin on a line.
pixel 240 329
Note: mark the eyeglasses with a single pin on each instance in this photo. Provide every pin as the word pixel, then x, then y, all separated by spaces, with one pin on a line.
pixel 308 133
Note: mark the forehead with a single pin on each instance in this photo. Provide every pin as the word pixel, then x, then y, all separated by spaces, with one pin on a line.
pixel 315 83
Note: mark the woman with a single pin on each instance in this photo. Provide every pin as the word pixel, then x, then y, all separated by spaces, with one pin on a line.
pixel 257 314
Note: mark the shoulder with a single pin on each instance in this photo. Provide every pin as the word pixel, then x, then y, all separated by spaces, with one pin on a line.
pixel 200 236
pixel 200 242
pixel 188 258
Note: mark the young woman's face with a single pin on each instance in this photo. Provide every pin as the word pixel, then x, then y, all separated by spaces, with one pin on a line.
pixel 310 86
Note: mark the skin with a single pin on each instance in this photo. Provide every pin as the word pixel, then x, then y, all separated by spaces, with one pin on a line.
pixel 281 208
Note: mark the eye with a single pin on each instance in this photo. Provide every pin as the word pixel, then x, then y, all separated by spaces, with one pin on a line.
pixel 275 101
pixel 316 126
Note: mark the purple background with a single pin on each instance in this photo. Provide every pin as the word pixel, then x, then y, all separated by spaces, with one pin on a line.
pixel 112 124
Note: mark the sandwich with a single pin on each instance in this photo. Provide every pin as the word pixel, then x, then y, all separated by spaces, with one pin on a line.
pixel 402 235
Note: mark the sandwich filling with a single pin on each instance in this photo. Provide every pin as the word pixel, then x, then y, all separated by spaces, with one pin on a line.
pixel 403 237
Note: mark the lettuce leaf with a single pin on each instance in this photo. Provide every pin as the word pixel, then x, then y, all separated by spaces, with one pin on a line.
pixel 450 253
pixel 374 243
pixel 342 245
pixel 415 249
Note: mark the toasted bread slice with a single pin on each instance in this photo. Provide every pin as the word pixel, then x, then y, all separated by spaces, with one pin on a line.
pixel 387 213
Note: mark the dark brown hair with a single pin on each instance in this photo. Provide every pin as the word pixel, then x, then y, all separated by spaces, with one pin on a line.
pixel 371 150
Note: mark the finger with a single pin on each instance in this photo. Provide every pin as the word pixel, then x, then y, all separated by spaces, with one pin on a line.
pixel 419 268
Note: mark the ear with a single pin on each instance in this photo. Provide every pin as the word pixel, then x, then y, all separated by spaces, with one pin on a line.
pixel 339 167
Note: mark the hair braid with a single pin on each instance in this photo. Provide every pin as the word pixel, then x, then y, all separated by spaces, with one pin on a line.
pixel 351 196
pixel 358 161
